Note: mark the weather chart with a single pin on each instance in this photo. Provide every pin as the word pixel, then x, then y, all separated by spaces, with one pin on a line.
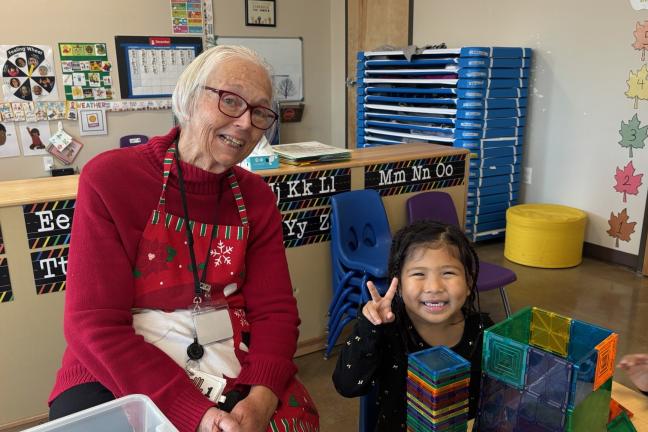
pixel 28 73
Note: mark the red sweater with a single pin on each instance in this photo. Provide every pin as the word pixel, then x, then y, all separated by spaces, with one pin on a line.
pixel 117 191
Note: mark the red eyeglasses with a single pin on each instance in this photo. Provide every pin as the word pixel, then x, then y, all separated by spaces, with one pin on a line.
pixel 233 105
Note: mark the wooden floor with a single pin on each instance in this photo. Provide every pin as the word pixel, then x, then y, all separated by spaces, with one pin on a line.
pixel 610 296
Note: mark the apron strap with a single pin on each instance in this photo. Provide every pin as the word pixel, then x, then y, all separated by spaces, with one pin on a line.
pixel 238 197
pixel 168 161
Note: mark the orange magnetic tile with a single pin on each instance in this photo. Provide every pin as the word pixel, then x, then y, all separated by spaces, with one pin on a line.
pixel 605 361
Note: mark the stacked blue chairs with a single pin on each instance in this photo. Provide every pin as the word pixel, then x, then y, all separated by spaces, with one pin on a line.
pixel 360 242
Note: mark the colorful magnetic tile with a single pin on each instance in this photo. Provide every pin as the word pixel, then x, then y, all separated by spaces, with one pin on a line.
pixel 583 378
pixel 605 363
pixel 439 361
pixel 534 411
pixel 416 380
pixel 550 331
pixel 548 377
pixel 616 409
pixel 516 327
pixel 498 405
pixel 583 338
pixel 591 414
pixel 505 359
pixel 621 423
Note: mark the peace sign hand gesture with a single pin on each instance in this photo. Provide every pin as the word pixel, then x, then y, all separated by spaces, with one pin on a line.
pixel 378 310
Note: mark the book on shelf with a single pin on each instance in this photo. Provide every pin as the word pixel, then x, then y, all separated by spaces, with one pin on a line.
pixel 305 153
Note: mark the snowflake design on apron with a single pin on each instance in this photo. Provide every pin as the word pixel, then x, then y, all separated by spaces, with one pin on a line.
pixel 222 254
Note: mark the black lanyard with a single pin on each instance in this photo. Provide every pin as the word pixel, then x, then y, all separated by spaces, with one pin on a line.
pixel 200 286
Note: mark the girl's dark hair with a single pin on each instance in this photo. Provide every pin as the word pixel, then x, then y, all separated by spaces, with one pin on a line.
pixel 432 234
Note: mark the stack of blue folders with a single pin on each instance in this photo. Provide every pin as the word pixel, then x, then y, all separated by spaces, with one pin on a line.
pixel 471 97
pixel 437 390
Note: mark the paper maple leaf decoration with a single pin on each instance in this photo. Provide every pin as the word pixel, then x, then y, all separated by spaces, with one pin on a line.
pixel 641 38
pixel 638 85
pixel 619 226
pixel 632 135
pixel 626 180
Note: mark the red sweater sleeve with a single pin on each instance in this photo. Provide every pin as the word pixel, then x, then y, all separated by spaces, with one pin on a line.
pixel 98 318
pixel 270 304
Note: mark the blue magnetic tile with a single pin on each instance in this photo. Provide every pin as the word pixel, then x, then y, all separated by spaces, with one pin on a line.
pixel 498 406
pixel 548 377
pixel 583 338
pixel 583 378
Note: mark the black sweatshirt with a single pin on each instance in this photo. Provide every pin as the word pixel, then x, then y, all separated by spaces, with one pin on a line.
pixel 378 354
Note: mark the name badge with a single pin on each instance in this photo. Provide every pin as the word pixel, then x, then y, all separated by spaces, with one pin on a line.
pixel 210 385
pixel 212 324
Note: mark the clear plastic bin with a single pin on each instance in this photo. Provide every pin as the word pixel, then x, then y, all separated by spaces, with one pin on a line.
pixel 133 413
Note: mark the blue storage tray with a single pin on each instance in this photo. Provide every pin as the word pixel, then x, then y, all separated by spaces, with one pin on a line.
pixel 494 180
pixel 486 226
pixel 491 163
pixel 490 62
pixel 490 113
pixel 491 199
pixel 488 143
pixel 485 73
pixel 468 83
pixel 491 123
pixel 508 187
pixel 486 217
pixel 496 93
pixel 381 116
pixel 491 208
pixel 494 171
pixel 494 152
pixel 471 134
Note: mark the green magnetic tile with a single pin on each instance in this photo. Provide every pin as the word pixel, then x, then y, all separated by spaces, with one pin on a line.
pixel 592 413
pixel 621 423
pixel 505 359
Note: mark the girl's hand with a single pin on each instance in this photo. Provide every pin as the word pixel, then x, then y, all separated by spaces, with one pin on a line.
pixel 636 366
pixel 378 309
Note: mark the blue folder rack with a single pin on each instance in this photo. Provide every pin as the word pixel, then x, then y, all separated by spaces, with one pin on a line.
pixel 471 97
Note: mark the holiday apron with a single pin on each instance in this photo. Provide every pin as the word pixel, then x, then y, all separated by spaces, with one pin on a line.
pixel 163 263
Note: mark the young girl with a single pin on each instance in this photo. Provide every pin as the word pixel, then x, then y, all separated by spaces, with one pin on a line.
pixel 431 301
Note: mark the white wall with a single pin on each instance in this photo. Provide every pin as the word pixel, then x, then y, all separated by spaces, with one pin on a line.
pixel 76 20
pixel 582 58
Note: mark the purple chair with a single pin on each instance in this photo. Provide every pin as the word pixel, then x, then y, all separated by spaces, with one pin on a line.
pixel 438 206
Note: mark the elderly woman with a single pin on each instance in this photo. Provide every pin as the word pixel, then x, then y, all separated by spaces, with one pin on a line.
pixel 177 281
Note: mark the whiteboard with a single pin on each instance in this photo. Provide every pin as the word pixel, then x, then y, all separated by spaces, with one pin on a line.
pixel 285 57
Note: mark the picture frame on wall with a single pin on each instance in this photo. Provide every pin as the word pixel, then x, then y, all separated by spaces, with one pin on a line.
pixel 260 13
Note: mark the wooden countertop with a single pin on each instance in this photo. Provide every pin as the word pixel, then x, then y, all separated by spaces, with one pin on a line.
pixel 373 155
pixel 19 192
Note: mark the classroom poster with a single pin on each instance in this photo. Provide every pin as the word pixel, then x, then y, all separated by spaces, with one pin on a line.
pixel 92 122
pixel 187 16
pixel 27 73
pixel 34 137
pixel 86 71
pixel 8 140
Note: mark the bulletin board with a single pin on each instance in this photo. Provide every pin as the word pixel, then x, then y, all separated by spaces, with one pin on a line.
pixel 286 58
pixel 149 66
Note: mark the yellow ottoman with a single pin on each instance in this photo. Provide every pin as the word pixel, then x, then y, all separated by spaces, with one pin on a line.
pixel 545 235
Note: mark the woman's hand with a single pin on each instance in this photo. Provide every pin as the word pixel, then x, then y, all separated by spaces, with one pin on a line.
pixel 216 420
pixel 636 366
pixel 378 309
pixel 255 411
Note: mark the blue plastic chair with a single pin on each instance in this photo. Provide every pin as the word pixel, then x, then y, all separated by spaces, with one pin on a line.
pixel 360 242
pixel 438 206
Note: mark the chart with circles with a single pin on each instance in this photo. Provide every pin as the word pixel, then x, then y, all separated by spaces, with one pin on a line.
pixel 27 73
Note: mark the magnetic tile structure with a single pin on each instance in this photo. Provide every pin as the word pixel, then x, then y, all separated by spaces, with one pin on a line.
pixel 545 372
pixel 469 97
pixel 437 391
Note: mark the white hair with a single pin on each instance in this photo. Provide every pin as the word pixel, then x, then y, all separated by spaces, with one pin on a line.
pixel 194 77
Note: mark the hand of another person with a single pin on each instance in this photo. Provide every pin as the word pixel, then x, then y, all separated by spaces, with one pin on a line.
pixel 216 420
pixel 378 310
pixel 255 411
pixel 636 366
